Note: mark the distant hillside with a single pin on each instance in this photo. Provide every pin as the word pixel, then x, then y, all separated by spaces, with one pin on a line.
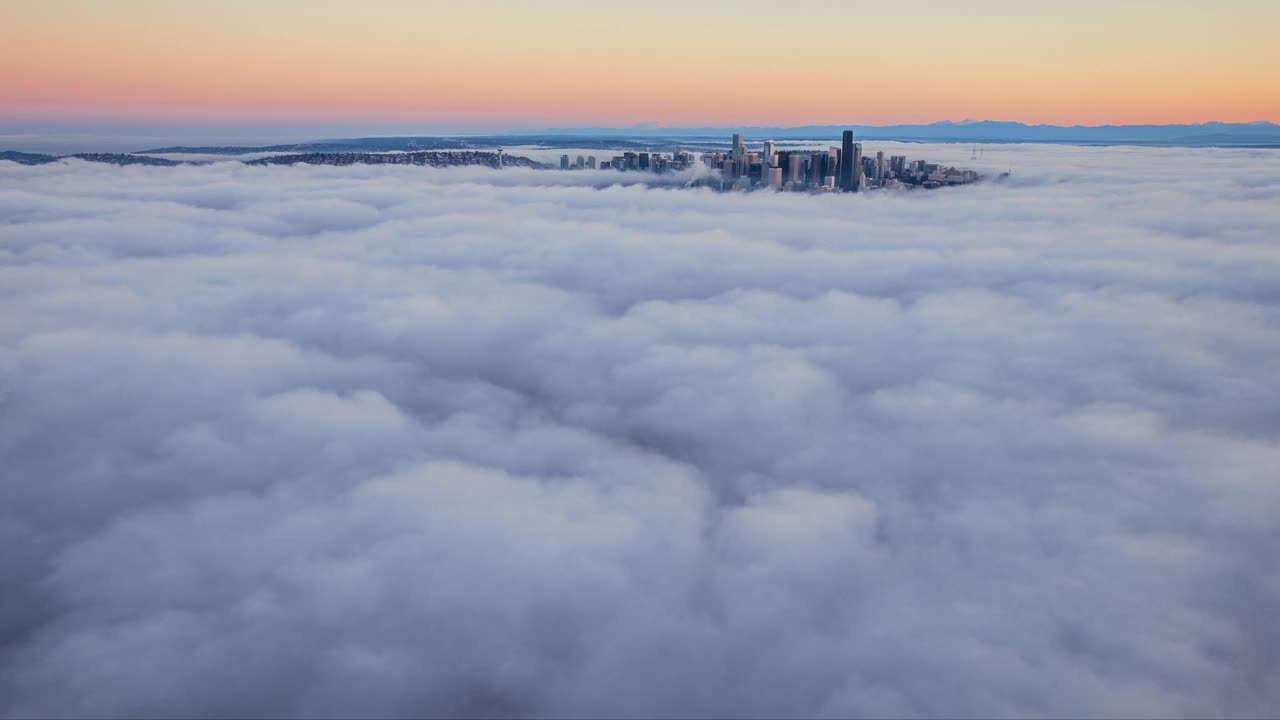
pixel 26 158
pixel 112 158
pixel 428 158
pixel 367 145
pixel 414 144
pixel 122 159
pixel 221 149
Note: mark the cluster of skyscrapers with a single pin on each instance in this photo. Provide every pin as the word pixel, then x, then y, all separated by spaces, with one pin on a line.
pixel 838 169
pixel 642 161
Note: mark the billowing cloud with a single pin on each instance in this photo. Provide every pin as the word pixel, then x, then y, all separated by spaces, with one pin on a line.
pixel 401 441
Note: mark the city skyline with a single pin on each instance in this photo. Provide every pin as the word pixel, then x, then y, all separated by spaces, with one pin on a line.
pixel 495 66
pixel 835 169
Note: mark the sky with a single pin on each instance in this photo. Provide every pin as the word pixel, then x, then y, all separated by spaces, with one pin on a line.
pixel 395 441
pixel 481 65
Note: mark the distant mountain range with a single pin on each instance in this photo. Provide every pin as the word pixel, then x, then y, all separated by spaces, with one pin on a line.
pixel 1265 134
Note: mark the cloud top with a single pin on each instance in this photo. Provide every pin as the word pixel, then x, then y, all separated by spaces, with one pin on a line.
pixel 397 441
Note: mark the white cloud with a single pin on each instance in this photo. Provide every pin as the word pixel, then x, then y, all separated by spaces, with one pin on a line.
pixel 390 440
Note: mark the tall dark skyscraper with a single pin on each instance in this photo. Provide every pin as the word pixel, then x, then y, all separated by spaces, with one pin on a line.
pixel 845 180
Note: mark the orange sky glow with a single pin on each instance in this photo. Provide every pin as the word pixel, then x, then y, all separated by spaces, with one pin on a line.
pixel 567 62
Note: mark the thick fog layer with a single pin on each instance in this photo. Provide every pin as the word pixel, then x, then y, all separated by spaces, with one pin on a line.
pixel 401 441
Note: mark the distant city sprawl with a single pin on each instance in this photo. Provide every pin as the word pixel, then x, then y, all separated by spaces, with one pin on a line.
pixel 837 169
pixel 704 164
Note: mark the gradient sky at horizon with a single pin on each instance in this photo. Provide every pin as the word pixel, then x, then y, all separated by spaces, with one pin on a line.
pixel 490 64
